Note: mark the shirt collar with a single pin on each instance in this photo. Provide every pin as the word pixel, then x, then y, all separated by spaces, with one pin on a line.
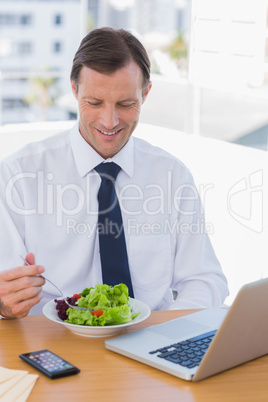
pixel 86 158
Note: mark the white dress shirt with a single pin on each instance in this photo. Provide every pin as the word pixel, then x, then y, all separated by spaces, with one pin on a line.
pixel 48 206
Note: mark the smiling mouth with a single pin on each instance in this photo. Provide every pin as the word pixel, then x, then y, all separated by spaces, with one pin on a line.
pixel 109 132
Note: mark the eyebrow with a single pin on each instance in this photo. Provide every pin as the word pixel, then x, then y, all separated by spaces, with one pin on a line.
pixel 92 98
pixel 101 100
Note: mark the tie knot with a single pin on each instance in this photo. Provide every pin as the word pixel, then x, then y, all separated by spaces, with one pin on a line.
pixel 108 171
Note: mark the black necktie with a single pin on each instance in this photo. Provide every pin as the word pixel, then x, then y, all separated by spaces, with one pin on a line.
pixel 113 252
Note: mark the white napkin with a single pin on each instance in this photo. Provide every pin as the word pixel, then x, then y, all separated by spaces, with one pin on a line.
pixel 15 385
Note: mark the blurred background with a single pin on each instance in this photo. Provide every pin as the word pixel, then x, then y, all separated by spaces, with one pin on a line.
pixel 209 61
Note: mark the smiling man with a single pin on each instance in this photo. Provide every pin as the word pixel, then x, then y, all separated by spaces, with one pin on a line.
pixel 97 205
pixel 109 106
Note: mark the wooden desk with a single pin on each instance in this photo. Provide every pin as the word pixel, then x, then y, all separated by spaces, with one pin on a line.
pixel 107 376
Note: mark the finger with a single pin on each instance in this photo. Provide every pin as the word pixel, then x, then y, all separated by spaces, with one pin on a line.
pixel 20 309
pixel 13 287
pixel 26 282
pixel 30 258
pixel 19 272
pixel 21 295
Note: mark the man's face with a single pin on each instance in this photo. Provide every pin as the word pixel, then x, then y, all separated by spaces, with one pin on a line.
pixel 109 106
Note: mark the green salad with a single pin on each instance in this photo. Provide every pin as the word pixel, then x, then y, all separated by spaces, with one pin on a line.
pixel 110 306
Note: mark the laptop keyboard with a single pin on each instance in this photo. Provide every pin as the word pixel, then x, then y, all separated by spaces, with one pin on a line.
pixel 187 353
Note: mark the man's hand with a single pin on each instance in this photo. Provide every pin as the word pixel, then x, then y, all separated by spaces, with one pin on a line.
pixel 20 289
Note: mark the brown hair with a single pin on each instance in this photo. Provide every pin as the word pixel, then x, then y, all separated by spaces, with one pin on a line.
pixel 106 50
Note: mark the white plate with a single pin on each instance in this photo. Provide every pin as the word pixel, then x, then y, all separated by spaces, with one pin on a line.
pixel 49 310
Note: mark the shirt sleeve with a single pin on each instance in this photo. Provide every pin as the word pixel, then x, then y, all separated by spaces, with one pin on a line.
pixel 12 220
pixel 198 279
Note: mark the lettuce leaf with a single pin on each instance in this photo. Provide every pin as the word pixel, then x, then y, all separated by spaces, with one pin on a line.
pixel 112 300
pixel 104 296
pixel 110 316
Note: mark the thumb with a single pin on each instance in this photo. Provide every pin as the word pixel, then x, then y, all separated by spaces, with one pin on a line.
pixel 30 258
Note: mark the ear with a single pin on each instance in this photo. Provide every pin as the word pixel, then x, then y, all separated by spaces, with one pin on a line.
pixel 74 89
pixel 146 91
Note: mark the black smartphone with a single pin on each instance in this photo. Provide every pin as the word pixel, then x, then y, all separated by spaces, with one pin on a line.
pixel 50 364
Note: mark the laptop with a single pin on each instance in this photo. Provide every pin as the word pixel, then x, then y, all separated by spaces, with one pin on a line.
pixel 204 343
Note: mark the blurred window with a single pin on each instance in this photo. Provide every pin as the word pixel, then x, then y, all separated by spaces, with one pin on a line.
pixel 58 19
pixel 25 19
pixel 23 48
pixel 8 19
pixel 15 19
pixel 57 47
pixel 14 103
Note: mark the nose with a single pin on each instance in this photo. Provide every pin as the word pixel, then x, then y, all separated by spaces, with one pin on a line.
pixel 109 117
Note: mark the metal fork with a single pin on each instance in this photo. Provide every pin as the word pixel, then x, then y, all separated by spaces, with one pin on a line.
pixel 64 297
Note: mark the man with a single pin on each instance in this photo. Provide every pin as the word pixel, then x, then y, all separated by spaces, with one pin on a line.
pixel 49 197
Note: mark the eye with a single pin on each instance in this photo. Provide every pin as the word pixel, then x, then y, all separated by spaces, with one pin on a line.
pixel 126 105
pixel 94 103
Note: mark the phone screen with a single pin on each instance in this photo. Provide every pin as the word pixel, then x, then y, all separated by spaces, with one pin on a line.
pixel 49 363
